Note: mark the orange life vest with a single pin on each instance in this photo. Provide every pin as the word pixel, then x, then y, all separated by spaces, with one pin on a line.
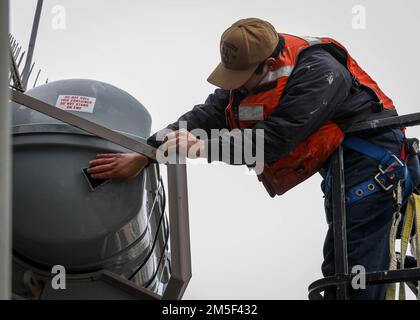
pixel 309 156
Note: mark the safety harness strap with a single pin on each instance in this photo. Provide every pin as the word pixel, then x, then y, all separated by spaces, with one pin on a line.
pixel 391 170
pixel 391 289
pixel 369 149
pixel 392 174
pixel 379 182
pixel 405 237
pixel 415 244
pixel 412 218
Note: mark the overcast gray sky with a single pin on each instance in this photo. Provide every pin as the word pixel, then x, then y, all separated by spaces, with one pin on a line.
pixel 245 245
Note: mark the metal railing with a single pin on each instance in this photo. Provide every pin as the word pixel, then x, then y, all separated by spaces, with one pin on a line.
pixel 342 279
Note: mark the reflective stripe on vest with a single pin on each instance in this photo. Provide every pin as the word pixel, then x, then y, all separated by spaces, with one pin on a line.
pixel 251 112
pixel 286 71
pixel 312 40
pixel 279 73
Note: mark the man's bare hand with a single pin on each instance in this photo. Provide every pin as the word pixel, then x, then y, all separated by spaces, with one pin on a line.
pixel 183 140
pixel 118 166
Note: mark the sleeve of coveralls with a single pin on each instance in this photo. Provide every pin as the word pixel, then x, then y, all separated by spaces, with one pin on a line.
pixel 317 86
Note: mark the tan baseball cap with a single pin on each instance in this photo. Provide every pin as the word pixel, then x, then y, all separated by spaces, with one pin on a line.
pixel 243 46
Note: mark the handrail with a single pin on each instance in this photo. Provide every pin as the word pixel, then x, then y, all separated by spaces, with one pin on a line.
pixel 375 277
pixel 407 120
pixel 179 232
pixel 342 278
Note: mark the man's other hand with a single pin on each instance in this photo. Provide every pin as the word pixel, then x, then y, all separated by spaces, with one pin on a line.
pixel 183 140
pixel 118 166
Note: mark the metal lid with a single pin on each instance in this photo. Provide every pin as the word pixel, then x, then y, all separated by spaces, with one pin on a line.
pixel 94 100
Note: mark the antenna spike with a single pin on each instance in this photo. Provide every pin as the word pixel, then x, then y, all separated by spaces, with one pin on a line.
pixel 17 53
pixel 21 58
pixel 14 72
pixel 30 71
pixel 13 46
pixel 36 79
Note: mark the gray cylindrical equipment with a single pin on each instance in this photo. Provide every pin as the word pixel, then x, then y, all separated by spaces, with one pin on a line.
pixel 58 219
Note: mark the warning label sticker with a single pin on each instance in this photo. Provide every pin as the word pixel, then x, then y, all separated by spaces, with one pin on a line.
pixel 76 103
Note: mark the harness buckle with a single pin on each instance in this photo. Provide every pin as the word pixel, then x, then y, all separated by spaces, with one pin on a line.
pixel 380 180
pixel 381 183
pixel 396 163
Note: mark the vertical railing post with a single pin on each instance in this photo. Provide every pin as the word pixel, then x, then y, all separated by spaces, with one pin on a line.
pixel 5 158
pixel 31 47
pixel 339 221
pixel 179 232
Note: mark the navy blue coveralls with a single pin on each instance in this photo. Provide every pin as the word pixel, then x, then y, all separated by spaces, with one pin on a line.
pixel 310 100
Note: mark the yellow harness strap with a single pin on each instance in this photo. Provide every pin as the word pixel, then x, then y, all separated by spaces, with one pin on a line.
pixel 412 216
pixel 415 243
pixel 390 293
